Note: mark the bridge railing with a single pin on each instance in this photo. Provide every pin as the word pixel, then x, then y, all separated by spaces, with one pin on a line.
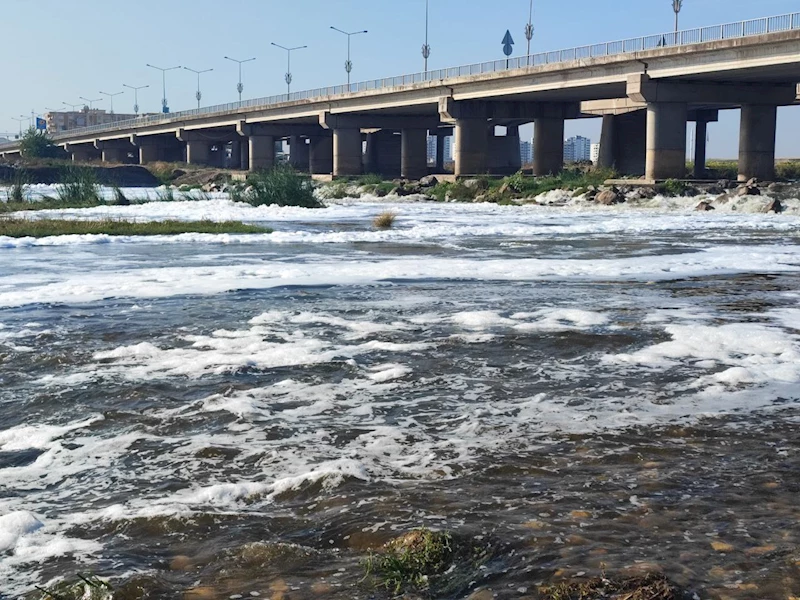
pixel 700 35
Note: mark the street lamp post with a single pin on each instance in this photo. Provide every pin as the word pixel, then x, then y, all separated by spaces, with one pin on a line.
pixel 198 94
pixel 529 32
pixel 111 97
pixel 426 47
pixel 348 65
pixel 164 103
pixel 240 85
pixel 135 96
pixel 676 6
pixel 19 120
pixel 288 77
pixel 91 107
pixel 72 106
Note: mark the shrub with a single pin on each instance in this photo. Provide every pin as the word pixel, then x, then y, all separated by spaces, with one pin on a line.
pixel 37 144
pixel 79 188
pixel 385 220
pixel 672 187
pixel 17 191
pixel 281 186
pixel 789 169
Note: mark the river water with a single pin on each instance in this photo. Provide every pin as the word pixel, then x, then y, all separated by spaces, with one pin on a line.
pixel 580 389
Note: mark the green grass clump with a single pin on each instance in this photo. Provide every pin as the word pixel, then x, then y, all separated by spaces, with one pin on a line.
pixel 16 194
pixel 672 187
pixel 39 228
pixel 370 179
pixel 80 188
pixel 166 195
pixel 281 186
pixel 88 587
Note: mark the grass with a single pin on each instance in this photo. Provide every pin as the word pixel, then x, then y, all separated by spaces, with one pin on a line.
pixel 673 187
pixel 79 188
pixel 649 587
pixel 281 186
pixel 88 587
pixel 18 228
pixel 370 179
pixel 16 193
pixel 385 220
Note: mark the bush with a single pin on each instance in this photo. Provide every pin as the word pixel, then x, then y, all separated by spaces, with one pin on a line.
pixel 37 144
pixel 79 188
pixel 788 169
pixel 17 191
pixel 672 187
pixel 281 186
pixel 385 220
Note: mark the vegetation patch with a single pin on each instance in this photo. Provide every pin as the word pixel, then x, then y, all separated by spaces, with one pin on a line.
pixel 18 228
pixel 649 587
pixel 37 144
pixel 88 587
pixel 672 187
pixel 385 220
pixel 281 186
pixel 79 188
pixel 426 562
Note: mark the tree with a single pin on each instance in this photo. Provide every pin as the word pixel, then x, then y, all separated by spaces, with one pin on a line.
pixel 37 144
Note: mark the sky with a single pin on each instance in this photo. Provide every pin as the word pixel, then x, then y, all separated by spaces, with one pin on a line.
pixel 76 48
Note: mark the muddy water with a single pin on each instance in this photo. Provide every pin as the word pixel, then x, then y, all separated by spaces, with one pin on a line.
pixel 577 392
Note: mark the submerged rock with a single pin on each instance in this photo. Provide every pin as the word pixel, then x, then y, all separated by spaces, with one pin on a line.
pixel 747 190
pixel 704 206
pixel 774 206
pixel 608 197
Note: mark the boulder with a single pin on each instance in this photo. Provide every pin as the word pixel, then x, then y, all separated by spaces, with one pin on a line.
pixel 608 197
pixel 429 181
pixel 752 182
pixel 775 188
pixel 747 190
pixel 178 173
pixel 726 184
pixel 210 187
pixel 643 193
pixel 703 207
pixel 774 206
pixel 715 190
pixel 476 184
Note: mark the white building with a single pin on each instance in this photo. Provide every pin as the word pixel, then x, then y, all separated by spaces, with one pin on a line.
pixel 595 153
pixel 577 149
pixel 526 152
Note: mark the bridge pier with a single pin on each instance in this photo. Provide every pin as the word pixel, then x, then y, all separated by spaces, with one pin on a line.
pixel 414 153
pixel 298 153
pixel 320 155
pixel 471 147
pixel 623 143
pixel 440 137
pixel 347 152
pixel 504 151
pixel 548 146
pixel 83 153
pixel 383 155
pixel 261 152
pixel 666 140
pixel 757 142
pixel 198 152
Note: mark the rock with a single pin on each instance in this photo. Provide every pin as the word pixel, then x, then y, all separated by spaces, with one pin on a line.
pixel 726 184
pixel 774 206
pixel 722 546
pixel 752 182
pixel 178 173
pixel 643 193
pixel 775 187
pixel 408 190
pixel 210 187
pixel 476 184
pixel 747 190
pixel 714 190
pixel 608 197
pixel 722 199
pixel 704 206
pixel 429 181
pixel 481 595
pixel 481 198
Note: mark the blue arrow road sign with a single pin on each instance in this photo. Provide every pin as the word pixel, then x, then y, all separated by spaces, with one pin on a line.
pixel 508 44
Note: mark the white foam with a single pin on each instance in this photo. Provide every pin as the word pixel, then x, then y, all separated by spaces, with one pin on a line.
pixel 15 525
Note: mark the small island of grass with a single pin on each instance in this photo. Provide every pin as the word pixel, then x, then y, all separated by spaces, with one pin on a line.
pixel 38 228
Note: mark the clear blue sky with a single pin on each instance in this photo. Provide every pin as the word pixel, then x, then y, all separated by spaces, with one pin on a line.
pixel 67 49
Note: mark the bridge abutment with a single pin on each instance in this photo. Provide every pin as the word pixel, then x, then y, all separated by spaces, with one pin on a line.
pixel 757 142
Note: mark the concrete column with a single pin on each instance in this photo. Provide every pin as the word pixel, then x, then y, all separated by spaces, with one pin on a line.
pixel 384 153
pixel 757 142
pixel 320 155
pixel 244 154
pixel 666 140
pixel 261 152
pixel 548 146
pixel 347 152
pixel 607 143
pixel 504 152
pixel 701 129
pixel 114 155
pixel 198 153
pixel 298 153
pixel 82 155
pixel 414 153
pixel 148 154
pixel 471 147
pixel 440 153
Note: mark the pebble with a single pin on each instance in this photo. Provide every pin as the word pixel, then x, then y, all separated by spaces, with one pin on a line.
pixel 722 547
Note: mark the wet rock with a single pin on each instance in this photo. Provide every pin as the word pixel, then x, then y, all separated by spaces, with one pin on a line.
pixel 722 546
pixel 760 550
pixel 481 595
pixel 643 193
pixel 775 188
pixel 722 199
pixel 774 206
pixel 428 181
pixel 752 182
pixel 178 173
pixel 476 184
pixel 210 187
pixel 608 197
pixel 714 190
pixel 408 190
pixel 180 563
pixel 747 190
pixel 727 184
pixel 704 206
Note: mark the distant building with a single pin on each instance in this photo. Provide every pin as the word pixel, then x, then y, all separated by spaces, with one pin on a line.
pixel 595 153
pixel 432 149
pixel 448 149
pixel 64 121
pixel 577 149
pixel 526 152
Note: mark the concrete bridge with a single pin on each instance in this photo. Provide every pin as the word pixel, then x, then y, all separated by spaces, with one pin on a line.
pixel 645 89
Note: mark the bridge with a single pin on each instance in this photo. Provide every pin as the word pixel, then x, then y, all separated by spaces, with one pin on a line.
pixel 645 89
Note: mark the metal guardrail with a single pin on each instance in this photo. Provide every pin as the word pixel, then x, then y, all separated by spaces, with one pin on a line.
pixel 700 35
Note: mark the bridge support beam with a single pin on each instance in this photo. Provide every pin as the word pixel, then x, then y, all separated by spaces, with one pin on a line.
pixel 414 153
pixel 298 153
pixel 471 147
pixel 261 152
pixel 700 134
pixel 757 142
pixel 347 152
pixel 320 155
pixel 666 140
pixel 548 146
